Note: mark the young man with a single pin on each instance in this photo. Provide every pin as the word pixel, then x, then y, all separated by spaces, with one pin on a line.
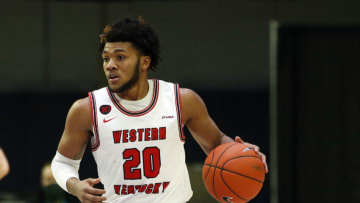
pixel 135 126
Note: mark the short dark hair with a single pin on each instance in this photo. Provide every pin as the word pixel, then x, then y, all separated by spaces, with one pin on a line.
pixel 139 33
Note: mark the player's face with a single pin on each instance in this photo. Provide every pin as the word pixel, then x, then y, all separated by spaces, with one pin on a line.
pixel 121 65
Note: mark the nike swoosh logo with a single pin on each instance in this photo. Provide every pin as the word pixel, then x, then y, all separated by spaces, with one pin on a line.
pixel 105 121
pixel 227 199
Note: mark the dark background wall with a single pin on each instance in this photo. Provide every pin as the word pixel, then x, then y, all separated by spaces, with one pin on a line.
pixel 318 113
pixel 49 58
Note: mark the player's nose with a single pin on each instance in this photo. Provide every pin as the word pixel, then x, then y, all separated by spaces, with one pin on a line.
pixel 110 65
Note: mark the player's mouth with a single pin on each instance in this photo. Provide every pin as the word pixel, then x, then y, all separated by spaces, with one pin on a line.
pixel 113 77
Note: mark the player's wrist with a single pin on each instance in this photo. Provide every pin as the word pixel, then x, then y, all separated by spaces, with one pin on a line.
pixel 71 185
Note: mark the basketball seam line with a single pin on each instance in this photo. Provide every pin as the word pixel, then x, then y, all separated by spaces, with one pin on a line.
pixel 223 169
pixel 247 156
pixel 212 158
pixel 216 167
pixel 231 189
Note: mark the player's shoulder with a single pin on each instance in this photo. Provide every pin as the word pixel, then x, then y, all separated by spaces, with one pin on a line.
pixel 83 102
pixel 191 101
pixel 192 106
pixel 80 113
pixel 81 105
pixel 186 91
pixel 188 94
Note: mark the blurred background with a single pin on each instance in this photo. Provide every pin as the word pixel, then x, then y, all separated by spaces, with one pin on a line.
pixel 282 74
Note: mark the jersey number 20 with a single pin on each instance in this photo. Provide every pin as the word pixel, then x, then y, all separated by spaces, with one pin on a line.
pixel 151 163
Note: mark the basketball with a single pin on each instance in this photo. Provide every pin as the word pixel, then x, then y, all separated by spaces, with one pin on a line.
pixel 233 172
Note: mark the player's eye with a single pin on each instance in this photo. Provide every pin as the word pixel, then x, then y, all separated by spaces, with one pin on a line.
pixel 105 59
pixel 120 57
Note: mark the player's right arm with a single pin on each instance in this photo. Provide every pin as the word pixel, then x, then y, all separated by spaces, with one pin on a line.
pixel 70 151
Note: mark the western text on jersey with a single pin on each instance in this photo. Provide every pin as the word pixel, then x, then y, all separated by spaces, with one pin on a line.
pixel 141 134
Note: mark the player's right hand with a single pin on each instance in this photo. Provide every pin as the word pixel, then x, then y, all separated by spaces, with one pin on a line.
pixel 84 190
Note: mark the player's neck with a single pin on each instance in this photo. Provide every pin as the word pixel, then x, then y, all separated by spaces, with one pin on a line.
pixel 136 92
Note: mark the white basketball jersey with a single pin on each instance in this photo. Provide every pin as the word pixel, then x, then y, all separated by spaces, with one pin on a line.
pixel 138 146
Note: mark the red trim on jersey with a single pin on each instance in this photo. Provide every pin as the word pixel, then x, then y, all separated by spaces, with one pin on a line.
pixel 96 145
pixel 142 112
pixel 178 111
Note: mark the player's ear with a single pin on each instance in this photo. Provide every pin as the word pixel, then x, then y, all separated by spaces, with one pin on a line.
pixel 145 62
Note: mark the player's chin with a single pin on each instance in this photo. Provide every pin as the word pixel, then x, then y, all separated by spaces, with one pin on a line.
pixel 113 88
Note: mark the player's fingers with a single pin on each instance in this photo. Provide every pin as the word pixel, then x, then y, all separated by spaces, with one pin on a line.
pixel 92 198
pixel 93 195
pixel 257 148
pixel 96 191
pixel 93 181
pixel 263 159
pixel 238 139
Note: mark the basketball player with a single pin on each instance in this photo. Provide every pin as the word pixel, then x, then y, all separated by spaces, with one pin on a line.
pixel 135 126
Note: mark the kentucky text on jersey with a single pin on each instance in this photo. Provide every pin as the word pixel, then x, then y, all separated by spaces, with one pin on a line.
pixel 140 134
pixel 152 188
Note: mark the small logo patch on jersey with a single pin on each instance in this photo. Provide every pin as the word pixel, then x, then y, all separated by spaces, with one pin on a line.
pixel 227 199
pixel 105 109
pixel 167 117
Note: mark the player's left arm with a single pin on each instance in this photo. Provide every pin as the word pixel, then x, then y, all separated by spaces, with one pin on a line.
pixel 201 126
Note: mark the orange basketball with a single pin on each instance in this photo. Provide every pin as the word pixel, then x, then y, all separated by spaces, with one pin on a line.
pixel 233 172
